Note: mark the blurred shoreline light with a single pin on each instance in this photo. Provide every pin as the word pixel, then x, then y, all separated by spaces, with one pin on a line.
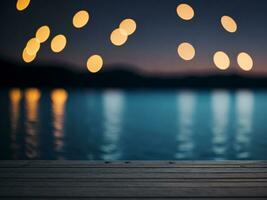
pixel 33 46
pixel 229 24
pixel 80 19
pixel 119 37
pixel 58 43
pixel 129 25
pixel 22 4
pixel 95 63
pixel 32 95
pixel 245 61
pixel 221 60
pixel 185 12
pixel 59 96
pixel 42 34
pixel 15 95
pixel 186 51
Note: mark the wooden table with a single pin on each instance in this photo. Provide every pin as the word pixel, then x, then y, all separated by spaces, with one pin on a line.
pixel 133 180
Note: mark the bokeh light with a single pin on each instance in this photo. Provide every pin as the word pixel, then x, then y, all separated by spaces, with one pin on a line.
pixel 229 24
pixel 26 57
pixel 58 43
pixel 221 60
pixel 119 37
pixel 22 4
pixel 80 19
pixel 59 96
pixel 186 51
pixel 94 63
pixel 245 61
pixel 129 25
pixel 42 34
pixel 185 12
pixel 33 46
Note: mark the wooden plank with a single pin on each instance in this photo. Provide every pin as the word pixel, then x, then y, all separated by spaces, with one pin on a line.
pixel 134 164
pixel 131 175
pixel 133 192
pixel 122 170
pixel 14 164
pixel 118 198
pixel 201 180
pixel 127 184
pixel 133 180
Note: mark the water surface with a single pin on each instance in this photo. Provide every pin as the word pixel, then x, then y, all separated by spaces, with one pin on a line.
pixel 133 125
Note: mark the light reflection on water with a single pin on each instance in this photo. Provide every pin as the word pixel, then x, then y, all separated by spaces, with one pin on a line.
pixel 32 97
pixel 114 124
pixel 15 96
pixel 59 98
pixel 113 102
pixel 186 108
pixel 244 110
pixel 220 109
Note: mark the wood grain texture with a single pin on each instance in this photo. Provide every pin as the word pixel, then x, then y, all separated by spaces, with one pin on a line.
pixel 133 180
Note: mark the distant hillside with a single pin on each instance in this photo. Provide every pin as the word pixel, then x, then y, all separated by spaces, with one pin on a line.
pixel 13 75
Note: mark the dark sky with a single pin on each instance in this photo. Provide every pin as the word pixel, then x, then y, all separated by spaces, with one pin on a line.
pixel 153 48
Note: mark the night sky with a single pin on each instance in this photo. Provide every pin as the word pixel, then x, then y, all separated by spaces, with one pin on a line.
pixel 153 47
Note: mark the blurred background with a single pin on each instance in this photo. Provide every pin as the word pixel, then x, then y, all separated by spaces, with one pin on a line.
pixel 133 80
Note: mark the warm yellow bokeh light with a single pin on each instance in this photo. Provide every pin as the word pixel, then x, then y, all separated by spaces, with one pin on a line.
pixel 58 43
pixel 15 95
pixel 119 37
pixel 32 95
pixel 59 96
pixel 221 60
pixel 229 24
pixel 33 46
pixel 80 19
pixel 185 11
pixel 22 4
pixel 42 34
pixel 94 63
pixel 245 61
pixel 129 25
pixel 186 51
pixel 26 57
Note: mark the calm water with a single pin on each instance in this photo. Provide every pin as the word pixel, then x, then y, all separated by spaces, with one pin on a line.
pixel 133 125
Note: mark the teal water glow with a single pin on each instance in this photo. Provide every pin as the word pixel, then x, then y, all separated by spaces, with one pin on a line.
pixel 136 125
